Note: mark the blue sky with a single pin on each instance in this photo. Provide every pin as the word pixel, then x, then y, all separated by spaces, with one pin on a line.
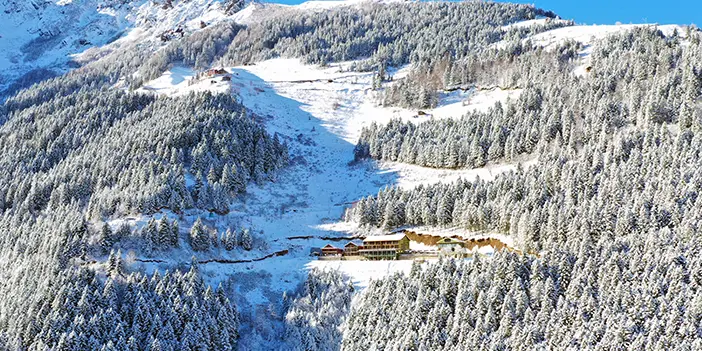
pixel 612 11
pixel 625 11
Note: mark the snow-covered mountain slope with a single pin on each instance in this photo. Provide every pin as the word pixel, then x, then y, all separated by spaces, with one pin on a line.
pixel 53 34
pixel 42 34
pixel 587 35
pixel 319 112
pixel 590 34
pixel 57 35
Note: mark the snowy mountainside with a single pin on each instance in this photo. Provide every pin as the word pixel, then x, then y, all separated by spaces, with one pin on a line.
pixel 50 35
pixel 587 35
pixel 318 112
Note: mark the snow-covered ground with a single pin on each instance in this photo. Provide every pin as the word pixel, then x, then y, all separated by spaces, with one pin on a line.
pixel 320 113
pixel 51 34
pixel 348 98
pixel 524 24
pixel 588 35
pixel 412 175
pixel 179 81
pixel 362 272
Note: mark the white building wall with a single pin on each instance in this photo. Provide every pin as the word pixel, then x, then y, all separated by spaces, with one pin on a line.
pixel 451 249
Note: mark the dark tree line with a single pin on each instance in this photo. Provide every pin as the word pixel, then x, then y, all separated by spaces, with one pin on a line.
pixel 84 311
pixel 636 293
pixel 122 153
pixel 314 317
pixel 640 79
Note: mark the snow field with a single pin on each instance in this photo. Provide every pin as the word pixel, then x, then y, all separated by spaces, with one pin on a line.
pixel 362 272
pixel 411 176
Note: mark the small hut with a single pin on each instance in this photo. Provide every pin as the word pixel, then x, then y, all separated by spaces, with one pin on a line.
pixel 451 247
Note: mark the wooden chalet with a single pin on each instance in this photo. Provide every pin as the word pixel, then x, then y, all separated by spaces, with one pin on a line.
pixel 351 249
pixel 215 71
pixel 330 250
pixel 384 247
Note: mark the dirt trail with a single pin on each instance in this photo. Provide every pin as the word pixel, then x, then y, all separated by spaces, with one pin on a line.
pixel 328 238
pixel 224 260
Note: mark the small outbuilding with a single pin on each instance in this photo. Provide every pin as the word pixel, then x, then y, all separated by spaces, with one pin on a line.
pixel 215 72
pixel 451 247
pixel 330 250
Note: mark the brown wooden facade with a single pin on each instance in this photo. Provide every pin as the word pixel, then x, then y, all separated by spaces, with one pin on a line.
pixel 385 247
pixel 330 250
pixel 351 249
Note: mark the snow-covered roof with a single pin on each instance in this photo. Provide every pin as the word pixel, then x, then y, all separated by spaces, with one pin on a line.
pixel 392 237
pixel 350 243
pixel 329 246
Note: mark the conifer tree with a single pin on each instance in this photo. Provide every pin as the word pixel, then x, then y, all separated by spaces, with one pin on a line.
pixel 246 239
pixel 199 238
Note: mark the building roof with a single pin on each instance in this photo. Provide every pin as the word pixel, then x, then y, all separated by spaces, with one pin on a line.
pixel 450 241
pixel 350 244
pixel 329 246
pixel 393 237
